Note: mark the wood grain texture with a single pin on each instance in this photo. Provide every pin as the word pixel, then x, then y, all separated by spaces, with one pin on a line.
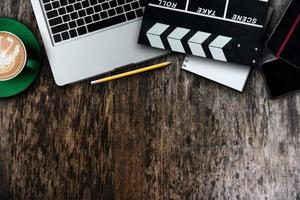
pixel 166 134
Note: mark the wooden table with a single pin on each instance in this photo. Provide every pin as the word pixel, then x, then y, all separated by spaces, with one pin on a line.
pixel 166 134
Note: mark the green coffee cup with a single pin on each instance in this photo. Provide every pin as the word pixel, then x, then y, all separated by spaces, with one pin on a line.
pixel 28 72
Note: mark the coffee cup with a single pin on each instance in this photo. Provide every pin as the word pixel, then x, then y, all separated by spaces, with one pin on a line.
pixel 13 57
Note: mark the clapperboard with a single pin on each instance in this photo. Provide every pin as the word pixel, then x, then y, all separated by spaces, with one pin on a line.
pixel 224 30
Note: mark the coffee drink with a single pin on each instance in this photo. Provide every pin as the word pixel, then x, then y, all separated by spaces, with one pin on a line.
pixel 13 56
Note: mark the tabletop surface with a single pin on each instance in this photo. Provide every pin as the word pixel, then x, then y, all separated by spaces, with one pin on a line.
pixel 167 134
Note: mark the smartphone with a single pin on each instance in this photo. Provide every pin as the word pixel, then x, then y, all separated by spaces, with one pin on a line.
pixel 281 77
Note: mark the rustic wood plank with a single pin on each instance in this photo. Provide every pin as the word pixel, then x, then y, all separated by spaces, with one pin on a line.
pixel 166 134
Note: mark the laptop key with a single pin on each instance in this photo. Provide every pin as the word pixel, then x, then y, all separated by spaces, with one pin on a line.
pixel 135 5
pixel 55 4
pixel 111 12
pixel 127 7
pixel 103 15
pixel 52 14
pixel 113 3
pixel 63 2
pixel 62 11
pixel 59 28
pixel 119 9
pixel 81 30
pixel 82 13
pixel 57 38
pixel 89 11
pixel 130 15
pixel 65 35
pixel 97 8
pixel 139 12
pixel 85 4
pixel 93 2
pixel 96 17
pixel 48 7
pixel 121 2
pixel 77 6
pixel 66 18
pixel 105 6
pixel 70 8
pixel 55 21
pixel 73 33
pixel 88 19
pixel 72 24
pixel 74 15
pixel 80 22
pixel 106 23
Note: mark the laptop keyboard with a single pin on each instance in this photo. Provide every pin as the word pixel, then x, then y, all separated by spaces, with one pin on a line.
pixel 68 19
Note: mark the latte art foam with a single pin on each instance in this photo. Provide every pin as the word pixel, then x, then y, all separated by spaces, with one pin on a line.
pixel 12 56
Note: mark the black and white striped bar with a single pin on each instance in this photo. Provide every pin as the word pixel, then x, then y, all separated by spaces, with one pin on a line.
pixel 198 43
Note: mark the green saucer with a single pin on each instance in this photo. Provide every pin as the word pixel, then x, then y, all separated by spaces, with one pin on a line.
pixel 27 76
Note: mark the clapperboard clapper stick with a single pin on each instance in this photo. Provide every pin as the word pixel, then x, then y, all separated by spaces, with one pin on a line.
pixel 224 30
pixel 134 72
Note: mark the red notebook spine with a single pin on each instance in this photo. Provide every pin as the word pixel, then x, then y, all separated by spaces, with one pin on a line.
pixel 288 37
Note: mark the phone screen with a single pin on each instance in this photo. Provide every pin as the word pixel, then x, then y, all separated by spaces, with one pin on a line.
pixel 281 77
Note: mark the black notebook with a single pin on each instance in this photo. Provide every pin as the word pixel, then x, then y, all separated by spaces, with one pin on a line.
pixel 285 40
pixel 282 75
pixel 224 30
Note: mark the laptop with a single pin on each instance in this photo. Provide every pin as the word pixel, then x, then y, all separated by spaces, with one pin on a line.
pixel 85 38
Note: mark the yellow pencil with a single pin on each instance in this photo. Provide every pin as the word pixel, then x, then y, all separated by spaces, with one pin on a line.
pixel 131 73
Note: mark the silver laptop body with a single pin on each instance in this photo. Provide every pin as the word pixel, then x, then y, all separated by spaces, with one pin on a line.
pixel 78 49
